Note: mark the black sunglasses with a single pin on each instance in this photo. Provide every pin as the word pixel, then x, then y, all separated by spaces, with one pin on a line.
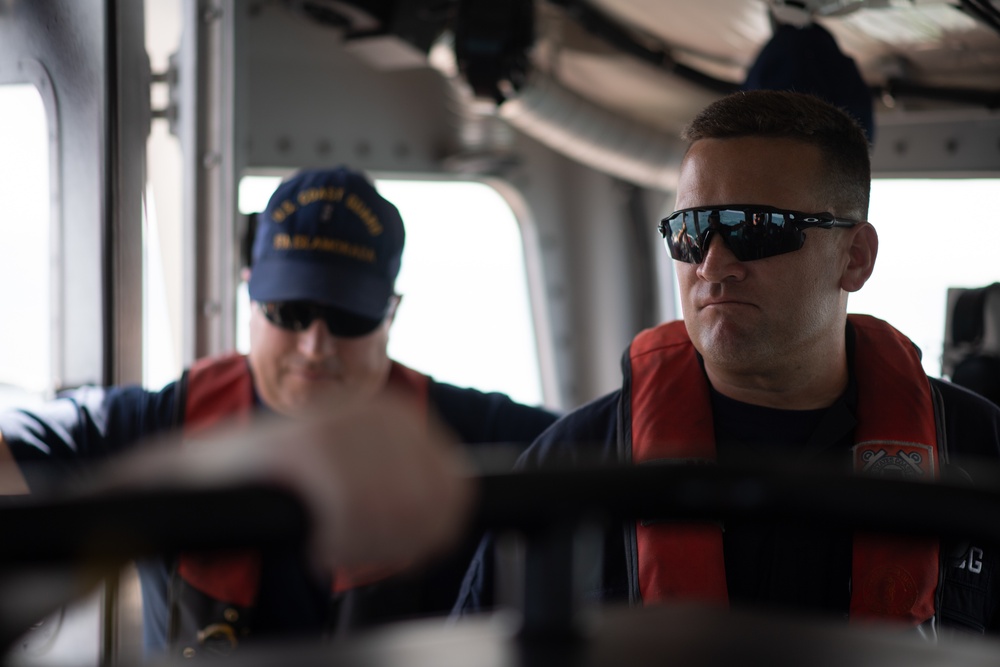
pixel 298 315
pixel 750 232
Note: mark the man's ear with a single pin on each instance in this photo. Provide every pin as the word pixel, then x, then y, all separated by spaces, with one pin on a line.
pixel 245 274
pixel 861 253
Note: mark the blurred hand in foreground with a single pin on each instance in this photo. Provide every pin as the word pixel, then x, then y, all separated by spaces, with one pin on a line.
pixel 384 484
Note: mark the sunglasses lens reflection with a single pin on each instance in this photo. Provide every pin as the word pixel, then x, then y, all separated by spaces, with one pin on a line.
pixel 749 234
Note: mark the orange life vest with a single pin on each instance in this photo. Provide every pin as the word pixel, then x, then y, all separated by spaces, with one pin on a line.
pixel 219 390
pixel 893 578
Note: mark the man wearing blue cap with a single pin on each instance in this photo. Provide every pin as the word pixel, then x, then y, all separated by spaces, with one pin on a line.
pixel 324 262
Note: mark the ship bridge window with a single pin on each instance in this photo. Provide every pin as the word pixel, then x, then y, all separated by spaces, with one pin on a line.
pixel 25 247
pixel 933 234
pixel 465 317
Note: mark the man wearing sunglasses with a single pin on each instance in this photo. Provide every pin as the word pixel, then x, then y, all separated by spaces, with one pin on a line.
pixel 325 258
pixel 769 238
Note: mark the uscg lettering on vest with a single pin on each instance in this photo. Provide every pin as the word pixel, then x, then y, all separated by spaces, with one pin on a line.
pixel 972 560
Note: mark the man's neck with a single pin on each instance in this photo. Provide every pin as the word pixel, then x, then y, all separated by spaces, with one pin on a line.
pixel 792 386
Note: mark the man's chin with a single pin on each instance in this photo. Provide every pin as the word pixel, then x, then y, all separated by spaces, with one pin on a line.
pixel 720 335
pixel 335 397
pixel 318 396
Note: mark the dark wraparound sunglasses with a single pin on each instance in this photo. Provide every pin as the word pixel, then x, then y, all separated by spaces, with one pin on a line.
pixel 750 232
pixel 298 315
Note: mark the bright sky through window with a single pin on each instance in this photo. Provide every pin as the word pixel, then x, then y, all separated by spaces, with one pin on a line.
pixel 25 264
pixel 933 234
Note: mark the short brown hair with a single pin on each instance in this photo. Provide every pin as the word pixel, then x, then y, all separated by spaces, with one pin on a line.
pixel 806 118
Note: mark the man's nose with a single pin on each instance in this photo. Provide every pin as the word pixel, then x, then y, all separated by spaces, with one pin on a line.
pixel 316 339
pixel 719 263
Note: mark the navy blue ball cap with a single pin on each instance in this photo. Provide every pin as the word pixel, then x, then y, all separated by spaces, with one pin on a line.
pixel 329 237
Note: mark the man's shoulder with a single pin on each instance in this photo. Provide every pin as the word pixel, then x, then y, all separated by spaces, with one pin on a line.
pixel 443 394
pixel 595 416
pixel 972 423
pixel 487 417
pixel 965 402
pixel 585 435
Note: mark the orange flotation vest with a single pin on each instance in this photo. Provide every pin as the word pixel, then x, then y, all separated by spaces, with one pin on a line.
pixel 892 578
pixel 219 390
